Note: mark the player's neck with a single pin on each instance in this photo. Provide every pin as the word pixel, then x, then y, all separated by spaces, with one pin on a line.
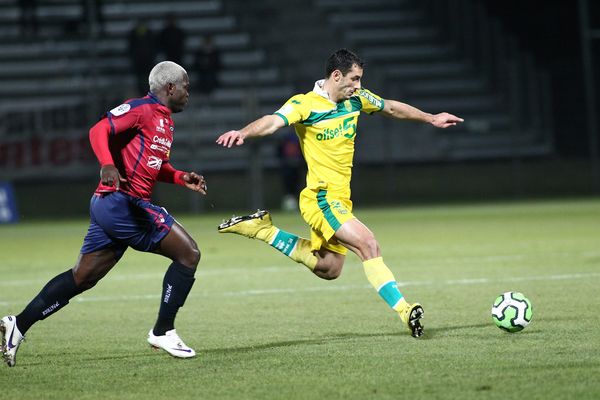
pixel 328 87
pixel 161 97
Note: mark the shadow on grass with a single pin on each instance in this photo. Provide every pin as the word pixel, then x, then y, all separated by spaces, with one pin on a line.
pixel 303 342
pixel 430 333
pixel 71 359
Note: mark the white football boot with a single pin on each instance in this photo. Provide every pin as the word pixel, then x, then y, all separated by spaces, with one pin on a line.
pixel 11 339
pixel 171 343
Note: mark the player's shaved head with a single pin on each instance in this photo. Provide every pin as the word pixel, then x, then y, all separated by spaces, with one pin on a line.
pixel 166 72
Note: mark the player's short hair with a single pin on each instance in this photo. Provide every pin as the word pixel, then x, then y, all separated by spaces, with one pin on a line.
pixel 163 73
pixel 342 60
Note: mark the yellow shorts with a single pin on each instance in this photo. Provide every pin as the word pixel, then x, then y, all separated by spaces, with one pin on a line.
pixel 325 213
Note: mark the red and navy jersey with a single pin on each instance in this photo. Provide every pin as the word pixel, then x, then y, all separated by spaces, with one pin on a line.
pixel 139 133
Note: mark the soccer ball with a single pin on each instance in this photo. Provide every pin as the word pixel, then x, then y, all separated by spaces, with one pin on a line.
pixel 512 311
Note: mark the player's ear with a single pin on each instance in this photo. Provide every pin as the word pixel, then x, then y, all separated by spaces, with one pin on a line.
pixel 171 88
pixel 337 75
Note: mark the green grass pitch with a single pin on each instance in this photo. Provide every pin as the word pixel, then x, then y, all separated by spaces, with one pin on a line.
pixel 265 328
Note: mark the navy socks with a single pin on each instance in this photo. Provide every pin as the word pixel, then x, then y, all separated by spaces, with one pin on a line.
pixel 54 296
pixel 177 283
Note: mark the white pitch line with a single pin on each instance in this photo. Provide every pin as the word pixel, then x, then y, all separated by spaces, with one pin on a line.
pixel 328 288
pixel 157 275
pixel 203 272
pixel 252 292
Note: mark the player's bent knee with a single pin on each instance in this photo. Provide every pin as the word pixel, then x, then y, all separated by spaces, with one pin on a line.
pixel 192 256
pixel 328 272
pixel 370 248
pixel 196 253
pixel 329 265
pixel 371 243
pixel 86 285
pixel 331 274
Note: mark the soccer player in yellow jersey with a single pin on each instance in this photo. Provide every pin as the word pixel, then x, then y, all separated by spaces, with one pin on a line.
pixel 325 120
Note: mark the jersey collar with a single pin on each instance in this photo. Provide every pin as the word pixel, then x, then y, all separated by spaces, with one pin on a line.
pixel 318 89
pixel 155 100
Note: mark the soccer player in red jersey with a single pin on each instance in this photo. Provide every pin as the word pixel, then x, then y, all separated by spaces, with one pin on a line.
pixel 132 143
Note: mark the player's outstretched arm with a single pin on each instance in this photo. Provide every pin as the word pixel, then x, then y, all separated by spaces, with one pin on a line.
pixel 264 126
pixel 397 109
pixel 444 120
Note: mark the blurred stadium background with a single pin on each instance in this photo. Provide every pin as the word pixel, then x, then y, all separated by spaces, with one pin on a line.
pixel 522 74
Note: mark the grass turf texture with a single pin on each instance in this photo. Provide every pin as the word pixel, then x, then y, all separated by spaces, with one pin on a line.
pixel 265 328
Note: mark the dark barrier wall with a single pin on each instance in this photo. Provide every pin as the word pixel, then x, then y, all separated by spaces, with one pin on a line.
pixel 372 186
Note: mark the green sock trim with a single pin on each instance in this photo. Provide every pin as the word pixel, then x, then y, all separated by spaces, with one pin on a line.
pixel 284 242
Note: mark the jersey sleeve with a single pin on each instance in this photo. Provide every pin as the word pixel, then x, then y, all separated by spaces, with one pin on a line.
pixel 124 117
pixel 117 120
pixel 296 109
pixel 99 140
pixel 169 174
pixel 370 101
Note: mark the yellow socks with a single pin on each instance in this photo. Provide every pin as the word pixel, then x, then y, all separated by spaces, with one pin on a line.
pixel 296 248
pixel 382 279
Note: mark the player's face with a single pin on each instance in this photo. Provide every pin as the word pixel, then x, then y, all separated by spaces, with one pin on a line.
pixel 349 83
pixel 179 95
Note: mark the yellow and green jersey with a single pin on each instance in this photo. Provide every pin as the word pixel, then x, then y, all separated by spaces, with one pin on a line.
pixel 327 131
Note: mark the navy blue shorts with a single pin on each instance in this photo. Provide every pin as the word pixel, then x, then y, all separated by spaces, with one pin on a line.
pixel 118 221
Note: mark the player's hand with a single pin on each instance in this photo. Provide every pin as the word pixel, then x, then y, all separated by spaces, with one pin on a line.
pixel 230 138
pixel 444 120
pixel 195 182
pixel 110 176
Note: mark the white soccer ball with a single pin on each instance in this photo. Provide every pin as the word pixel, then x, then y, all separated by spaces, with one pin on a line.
pixel 512 311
